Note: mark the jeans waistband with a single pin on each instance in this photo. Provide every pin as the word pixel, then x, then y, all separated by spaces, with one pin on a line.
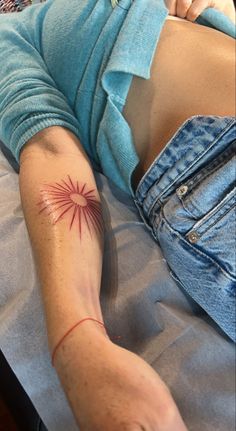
pixel 196 142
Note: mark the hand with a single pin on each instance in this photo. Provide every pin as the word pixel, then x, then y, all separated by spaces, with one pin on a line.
pixel 117 390
pixel 191 9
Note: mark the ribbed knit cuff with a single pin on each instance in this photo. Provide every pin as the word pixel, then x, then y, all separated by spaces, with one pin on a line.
pixel 33 125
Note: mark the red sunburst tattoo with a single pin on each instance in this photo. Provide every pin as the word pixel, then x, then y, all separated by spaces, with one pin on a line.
pixel 70 198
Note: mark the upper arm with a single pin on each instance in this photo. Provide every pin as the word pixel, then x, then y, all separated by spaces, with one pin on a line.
pixel 30 100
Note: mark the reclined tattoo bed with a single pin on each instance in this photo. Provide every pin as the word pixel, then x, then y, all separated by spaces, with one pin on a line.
pixel 140 301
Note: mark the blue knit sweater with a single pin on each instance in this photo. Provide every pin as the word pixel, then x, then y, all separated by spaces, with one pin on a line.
pixel 71 63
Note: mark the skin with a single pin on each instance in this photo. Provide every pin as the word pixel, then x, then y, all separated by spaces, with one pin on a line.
pixel 117 390
pixel 202 82
pixel 107 386
pixel 191 9
pixel 77 201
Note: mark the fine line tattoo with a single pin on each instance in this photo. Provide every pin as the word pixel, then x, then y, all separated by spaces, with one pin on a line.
pixel 68 197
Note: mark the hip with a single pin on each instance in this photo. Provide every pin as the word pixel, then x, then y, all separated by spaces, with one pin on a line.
pixel 187 201
pixel 179 89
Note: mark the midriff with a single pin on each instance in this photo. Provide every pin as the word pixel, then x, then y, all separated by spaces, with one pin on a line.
pixel 192 73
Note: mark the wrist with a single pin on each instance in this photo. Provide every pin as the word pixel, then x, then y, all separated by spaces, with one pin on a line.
pixel 70 306
pixel 77 345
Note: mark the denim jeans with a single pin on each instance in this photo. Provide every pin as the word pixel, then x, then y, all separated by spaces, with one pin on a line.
pixel 187 200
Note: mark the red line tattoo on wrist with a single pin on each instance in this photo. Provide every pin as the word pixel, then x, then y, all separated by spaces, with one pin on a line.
pixel 70 198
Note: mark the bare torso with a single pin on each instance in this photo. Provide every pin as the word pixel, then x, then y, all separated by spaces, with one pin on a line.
pixel 193 73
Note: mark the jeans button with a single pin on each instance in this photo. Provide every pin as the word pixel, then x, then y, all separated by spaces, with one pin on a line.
pixel 193 237
pixel 182 190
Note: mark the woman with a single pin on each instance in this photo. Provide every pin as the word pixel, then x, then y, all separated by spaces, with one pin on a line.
pixel 72 89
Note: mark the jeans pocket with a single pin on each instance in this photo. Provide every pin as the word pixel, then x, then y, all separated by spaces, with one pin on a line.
pixel 203 211
pixel 214 234
pixel 204 192
pixel 215 215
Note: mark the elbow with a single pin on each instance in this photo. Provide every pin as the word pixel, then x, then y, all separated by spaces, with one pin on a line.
pixel 54 141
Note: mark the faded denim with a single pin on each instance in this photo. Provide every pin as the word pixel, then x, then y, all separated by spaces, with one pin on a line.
pixel 187 200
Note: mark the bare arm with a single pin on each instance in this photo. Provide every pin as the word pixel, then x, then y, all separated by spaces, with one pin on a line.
pixel 108 387
pixel 62 210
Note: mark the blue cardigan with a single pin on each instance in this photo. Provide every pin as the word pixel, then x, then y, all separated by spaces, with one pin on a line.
pixel 70 63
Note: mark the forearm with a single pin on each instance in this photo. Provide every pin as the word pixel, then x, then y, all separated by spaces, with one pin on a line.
pixel 67 248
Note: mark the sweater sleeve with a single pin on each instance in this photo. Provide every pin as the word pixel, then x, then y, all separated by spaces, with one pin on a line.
pixel 29 98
